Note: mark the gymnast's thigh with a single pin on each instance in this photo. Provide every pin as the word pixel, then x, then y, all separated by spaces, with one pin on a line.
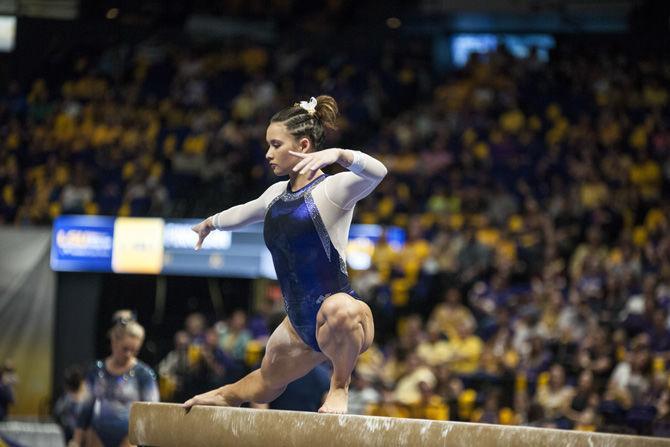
pixel 287 357
pixel 344 307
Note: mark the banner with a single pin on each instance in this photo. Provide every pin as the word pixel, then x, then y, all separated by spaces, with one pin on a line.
pixel 166 246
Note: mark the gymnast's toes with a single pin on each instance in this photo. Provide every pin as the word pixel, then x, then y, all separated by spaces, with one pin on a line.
pixel 336 402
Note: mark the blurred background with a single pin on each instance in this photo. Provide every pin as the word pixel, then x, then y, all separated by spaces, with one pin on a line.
pixel 516 258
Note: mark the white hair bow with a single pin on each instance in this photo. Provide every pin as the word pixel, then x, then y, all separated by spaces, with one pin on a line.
pixel 310 106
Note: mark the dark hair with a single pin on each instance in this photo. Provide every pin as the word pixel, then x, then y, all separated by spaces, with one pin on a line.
pixel 300 123
pixel 72 378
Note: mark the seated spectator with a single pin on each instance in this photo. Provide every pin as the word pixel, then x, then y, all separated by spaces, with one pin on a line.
pixel 430 406
pixel 451 313
pixel 555 396
pixel 407 390
pixel 234 336
pixel 489 412
pixel 174 368
pixel 215 362
pixel 535 358
pixel 195 325
pixel 78 194
pixel 583 406
pixel 465 349
pixel 629 379
pixel 435 350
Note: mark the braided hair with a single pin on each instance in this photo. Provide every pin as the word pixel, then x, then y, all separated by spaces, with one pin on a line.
pixel 302 124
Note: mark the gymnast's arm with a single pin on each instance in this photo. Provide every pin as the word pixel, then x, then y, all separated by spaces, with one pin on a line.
pixel 347 188
pixel 238 216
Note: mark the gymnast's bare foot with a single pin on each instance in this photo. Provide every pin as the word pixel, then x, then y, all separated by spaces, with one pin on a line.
pixel 215 397
pixel 336 401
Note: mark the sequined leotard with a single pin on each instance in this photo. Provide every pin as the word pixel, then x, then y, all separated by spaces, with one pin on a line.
pixel 107 409
pixel 306 232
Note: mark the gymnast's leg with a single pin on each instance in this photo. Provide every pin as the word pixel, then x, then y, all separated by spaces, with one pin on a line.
pixel 286 359
pixel 344 330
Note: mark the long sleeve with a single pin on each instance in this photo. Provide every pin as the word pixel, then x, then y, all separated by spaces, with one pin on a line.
pixel 242 215
pixel 148 385
pixel 347 188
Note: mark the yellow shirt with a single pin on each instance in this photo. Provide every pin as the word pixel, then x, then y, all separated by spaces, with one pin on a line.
pixel 465 354
pixel 554 401
pixel 407 390
pixel 448 318
pixel 434 353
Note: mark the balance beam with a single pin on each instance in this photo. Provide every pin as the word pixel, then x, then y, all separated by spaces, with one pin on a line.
pixel 167 425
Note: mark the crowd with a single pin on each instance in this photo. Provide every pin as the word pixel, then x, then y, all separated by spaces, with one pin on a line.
pixel 180 123
pixel 538 202
pixel 534 285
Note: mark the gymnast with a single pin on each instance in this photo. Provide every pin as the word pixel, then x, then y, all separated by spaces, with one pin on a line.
pixel 306 228
pixel 112 385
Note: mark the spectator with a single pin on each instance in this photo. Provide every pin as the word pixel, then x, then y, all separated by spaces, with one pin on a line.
pixel 234 336
pixel 465 350
pixel 8 379
pixel 69 405
pixel 555 396
pixel 451 313
pixel 174 368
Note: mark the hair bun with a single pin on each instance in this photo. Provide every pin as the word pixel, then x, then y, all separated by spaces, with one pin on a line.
pixel 327 111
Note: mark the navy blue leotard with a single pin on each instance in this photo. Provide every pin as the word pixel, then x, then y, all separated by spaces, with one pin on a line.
pixel 306 232
pixel 308 265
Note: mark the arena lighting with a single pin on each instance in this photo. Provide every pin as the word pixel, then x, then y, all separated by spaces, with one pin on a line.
pixel 393 22
pixel 7 33
pixel 112 13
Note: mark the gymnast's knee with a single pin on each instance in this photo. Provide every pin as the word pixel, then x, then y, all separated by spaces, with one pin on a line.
pixel 340 312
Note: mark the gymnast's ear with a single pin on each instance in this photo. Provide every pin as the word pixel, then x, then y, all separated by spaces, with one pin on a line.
pixel 305 145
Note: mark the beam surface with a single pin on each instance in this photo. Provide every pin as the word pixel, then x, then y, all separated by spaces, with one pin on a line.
pixel 169 425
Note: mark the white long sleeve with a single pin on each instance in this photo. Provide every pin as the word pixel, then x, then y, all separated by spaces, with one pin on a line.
pixel 335 198
pixel 251 212
pixel 337 195
pixel 347 188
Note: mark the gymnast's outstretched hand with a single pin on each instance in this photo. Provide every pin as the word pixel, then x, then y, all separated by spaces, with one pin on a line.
pixel 203 229
pixel 213 397
pixel 313 161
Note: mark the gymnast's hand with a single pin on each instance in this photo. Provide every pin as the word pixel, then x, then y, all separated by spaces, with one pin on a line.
pixel 313 161
pixel 203 229
pixel 213 397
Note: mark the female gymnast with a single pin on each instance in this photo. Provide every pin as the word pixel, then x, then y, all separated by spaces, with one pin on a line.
pixel 306 228
pixel 112 386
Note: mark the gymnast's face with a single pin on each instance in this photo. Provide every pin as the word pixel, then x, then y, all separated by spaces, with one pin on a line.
pixel 125 348
pixel 280 142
